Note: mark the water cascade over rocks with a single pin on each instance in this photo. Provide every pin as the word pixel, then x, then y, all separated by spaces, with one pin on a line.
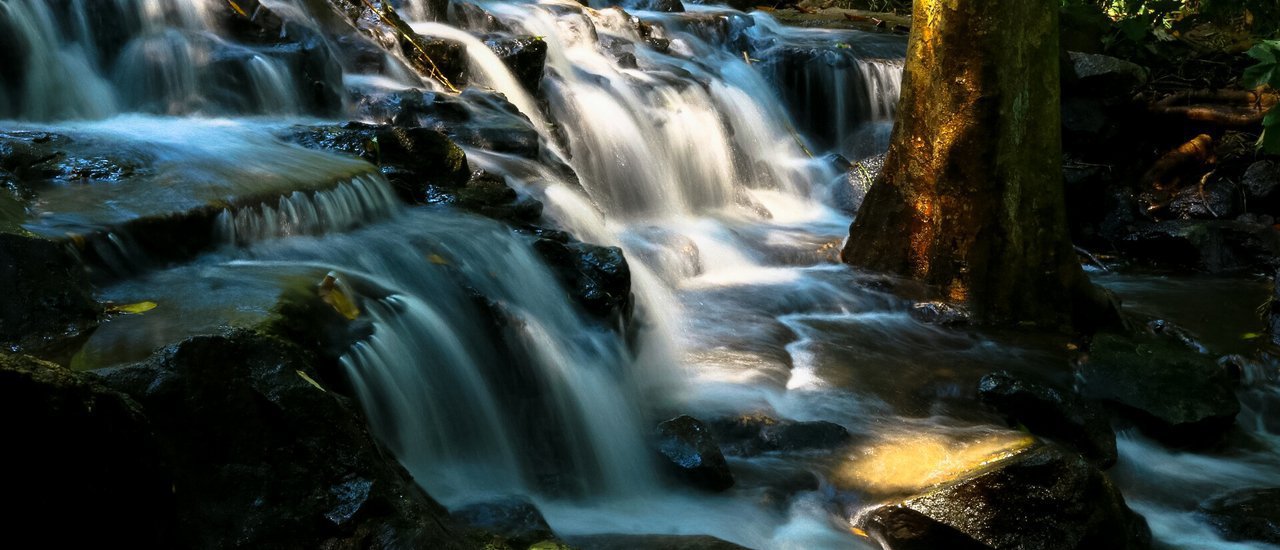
pixel 207 158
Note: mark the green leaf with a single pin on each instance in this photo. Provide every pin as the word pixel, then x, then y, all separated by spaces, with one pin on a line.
pixel 1257 75
pixel 1272 119
pixel 131 309
pixel 1270 141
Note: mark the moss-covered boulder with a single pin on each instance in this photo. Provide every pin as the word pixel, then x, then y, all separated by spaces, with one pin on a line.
pixel 47 301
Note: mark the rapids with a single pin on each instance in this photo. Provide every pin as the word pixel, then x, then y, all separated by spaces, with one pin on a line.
pixel 701 143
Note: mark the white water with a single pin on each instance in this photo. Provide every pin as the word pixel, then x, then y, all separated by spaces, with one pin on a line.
pixel 696 161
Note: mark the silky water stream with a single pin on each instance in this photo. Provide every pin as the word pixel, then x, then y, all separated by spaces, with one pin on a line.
pixel 698 142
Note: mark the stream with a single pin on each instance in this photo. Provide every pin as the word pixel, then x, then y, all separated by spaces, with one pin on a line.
pixel 704 148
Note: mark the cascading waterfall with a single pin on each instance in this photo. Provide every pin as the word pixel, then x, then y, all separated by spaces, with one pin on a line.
pixel 697 140
pixel 362 199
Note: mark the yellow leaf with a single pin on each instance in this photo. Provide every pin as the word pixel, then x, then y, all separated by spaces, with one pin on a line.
pixel 311 381
pixel 858 532
pixel 336 297
pixel 1251 336
pixel 437 259
pixel 132 309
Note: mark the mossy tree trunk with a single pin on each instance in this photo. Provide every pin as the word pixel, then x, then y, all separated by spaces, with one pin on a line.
pixel 970 200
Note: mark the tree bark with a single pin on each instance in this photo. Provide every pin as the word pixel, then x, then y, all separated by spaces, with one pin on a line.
pixel 970 200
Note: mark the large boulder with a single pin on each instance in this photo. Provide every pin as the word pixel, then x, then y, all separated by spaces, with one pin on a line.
pixel 1044 498
pixel 490 196
pixel 1245 515
pixel 262 455
pixel 692 453
pixel 597 277
pixel 82 467
pixel 1173 392
pixel 525 56
pixel 47 300
pixel 753 434
pixel 1051 412
pixel 479 118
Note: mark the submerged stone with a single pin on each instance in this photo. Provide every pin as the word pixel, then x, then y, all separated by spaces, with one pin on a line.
pixel 1245 515
pixel 753 434
pixel 652 542
pixel 692 453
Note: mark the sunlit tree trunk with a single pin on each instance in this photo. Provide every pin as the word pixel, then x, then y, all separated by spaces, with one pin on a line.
pixel 970 200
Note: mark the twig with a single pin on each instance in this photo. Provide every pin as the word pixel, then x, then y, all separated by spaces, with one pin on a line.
pixel 434 71
pixel 1088 255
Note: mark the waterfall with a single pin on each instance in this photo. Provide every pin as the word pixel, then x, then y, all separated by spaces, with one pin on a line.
pixel 362 199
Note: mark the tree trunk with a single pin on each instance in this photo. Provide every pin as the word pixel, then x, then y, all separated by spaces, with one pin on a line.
pixel 970 200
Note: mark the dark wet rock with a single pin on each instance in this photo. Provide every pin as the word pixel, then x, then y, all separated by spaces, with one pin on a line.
pixel 1218 198
pixel 443 56
pixel 597 277
pixel 262 455
pixel 1259 182
pixel 78 452
pixel 489 195
pixel 753 434
pixel 692 453
pixel 859 178
pixel 1173 392
pixel 47 301
pixel 1051 412
pixel 940 313
pixel 1166 329
pixel 526 56
pixel 1216 246
pixel 652 542
pixel 673 6
pixel 479 118
pixel 1102 75
pixel 412 159
pixel 515 519
pixel 1245 515
pixel 1045 498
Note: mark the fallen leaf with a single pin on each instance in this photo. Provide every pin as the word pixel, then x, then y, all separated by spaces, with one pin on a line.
pixel 131 309
pixel 311 381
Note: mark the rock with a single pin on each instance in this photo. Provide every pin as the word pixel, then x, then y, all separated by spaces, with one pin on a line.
pixel 652 542
pixel 1245 515
pixel 1053 413
pixel 597 277
pixel 753 434
pixel 939 313
pixel 429 54
pixel 47 303
pixel 526 56
pixel 479 118
pixel 859 177
pixel 77 451
pixel 515 519
pixel 671 6
pixel 1218 199
pixel 489 195
pixel 1045 498
pixel 262 455
pixel 412 159
pixel 1173 392
pixel 1216 246
pixel 693 454
pixel 1106 76
pixel 1259 183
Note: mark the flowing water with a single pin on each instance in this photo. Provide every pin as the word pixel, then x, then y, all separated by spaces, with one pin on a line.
pixel 698 142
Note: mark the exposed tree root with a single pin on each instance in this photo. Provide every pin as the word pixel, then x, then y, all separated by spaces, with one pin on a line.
pixel 1228 108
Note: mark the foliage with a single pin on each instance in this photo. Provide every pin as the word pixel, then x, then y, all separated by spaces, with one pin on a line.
pixel 1266 73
